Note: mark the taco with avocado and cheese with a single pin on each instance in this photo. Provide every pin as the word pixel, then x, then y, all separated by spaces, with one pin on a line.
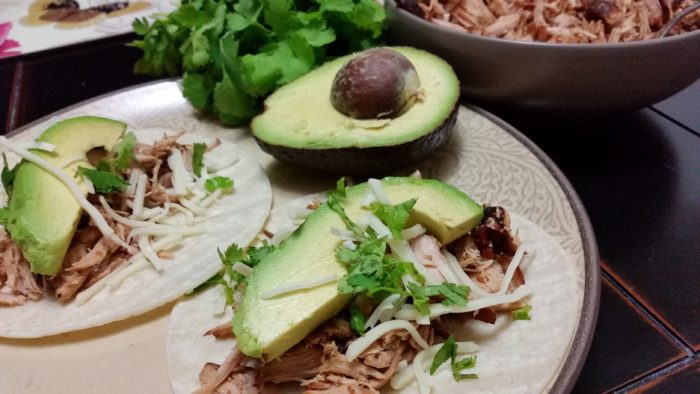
pixel 101 224
pixel 398 284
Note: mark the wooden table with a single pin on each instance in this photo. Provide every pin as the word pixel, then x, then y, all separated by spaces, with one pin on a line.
pixel 638 175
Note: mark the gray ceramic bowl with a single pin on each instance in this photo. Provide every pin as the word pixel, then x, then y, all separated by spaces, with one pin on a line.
pixel 555 80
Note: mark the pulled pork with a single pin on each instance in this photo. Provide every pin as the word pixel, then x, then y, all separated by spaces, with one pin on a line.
pixel 318 363
pixel 561 21
pixel 91 256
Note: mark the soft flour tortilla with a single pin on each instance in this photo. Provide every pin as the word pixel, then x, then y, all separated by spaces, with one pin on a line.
pixel 513 356
pixel 236 217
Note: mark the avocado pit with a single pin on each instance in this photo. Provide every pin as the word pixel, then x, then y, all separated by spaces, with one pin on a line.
pixel 377 83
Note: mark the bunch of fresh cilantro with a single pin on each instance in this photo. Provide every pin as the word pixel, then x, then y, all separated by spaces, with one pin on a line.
pixel 234 53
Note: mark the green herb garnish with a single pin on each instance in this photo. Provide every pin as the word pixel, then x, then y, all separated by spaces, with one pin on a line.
pixel 232 54
pixel 218 182
pixel 198 150
pixel 357 318
pixel 448 351
pixel 122 154
pixel 522 313
pixel 105 182
pixel 394 216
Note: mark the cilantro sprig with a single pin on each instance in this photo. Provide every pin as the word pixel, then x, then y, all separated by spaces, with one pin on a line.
pixel 522 313
pixel 448 351
pixel 121 156
pixel 105 182
pixel 228 277
pixel 232 54
pixel 198 149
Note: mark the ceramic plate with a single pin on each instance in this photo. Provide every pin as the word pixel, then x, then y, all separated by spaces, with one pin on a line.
pixel 485 157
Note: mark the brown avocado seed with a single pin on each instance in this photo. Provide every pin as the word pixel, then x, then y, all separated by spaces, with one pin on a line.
pixel 377 83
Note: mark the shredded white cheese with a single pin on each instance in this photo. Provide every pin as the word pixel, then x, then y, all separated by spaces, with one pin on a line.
pixel 121 219
pixel 404 252
pixel 242 269
pixel 386 304
pixel 379 228
pixel 413 231
pixel 405 376
pixel 94 214
pixel 164 229
pixel 139 196
pixel 212 198
pixel 409 312
pixel 133 180
pixel 349 244
pixel 181 177
pixel 362 343
pixel 149 253
pixel 514 263
pixel 368 199
pixel 282 234
pixel 378 191
pixel 343 234
pixel 192 206
pixel 298 213
pixel 304 285
pixel 189 216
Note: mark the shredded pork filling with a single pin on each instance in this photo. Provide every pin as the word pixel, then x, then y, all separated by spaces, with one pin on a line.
pixel 92 256
pixel 319 361
pixel 562 21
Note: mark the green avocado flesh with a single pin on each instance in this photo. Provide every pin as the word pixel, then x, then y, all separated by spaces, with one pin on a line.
pixel 300 114
pixel 267 328
pixel 43 213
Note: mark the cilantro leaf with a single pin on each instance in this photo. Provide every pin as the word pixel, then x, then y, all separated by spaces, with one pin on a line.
pixel 394 216
pixel 446 352
pixel 104 182
pixel 522 313
pixel 453 294
pixel 198 149
pixel 8 176
pixel 218 182
pixel 198 88
pixel 250 257
pixel 121 156
pixel 460 365
pixel 357 318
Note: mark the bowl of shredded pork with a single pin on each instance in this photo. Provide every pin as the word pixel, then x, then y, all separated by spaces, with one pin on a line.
pixel 559 59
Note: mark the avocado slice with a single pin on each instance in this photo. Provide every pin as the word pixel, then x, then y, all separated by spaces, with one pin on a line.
pixel 43 214
pixel 268 327
pixel 301 126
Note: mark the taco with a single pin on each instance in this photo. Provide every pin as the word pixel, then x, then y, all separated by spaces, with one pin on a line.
pixel 428 289
pixel 102 223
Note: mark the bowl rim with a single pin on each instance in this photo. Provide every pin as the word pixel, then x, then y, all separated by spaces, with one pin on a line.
pixel 538 44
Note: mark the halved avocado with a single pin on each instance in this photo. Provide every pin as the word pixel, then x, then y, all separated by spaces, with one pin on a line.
pixel 267 327
pixel 300 125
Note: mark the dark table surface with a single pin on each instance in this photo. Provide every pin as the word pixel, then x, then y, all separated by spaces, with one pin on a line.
pixel 638 175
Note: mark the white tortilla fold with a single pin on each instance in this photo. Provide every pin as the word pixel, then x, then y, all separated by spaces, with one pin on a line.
pixel 513 356
pixel 236 217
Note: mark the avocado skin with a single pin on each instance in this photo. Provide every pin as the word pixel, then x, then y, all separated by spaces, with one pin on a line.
pixel 43 212
pixel 364 162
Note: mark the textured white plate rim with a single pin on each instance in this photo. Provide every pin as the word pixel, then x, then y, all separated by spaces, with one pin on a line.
pixel 591 298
